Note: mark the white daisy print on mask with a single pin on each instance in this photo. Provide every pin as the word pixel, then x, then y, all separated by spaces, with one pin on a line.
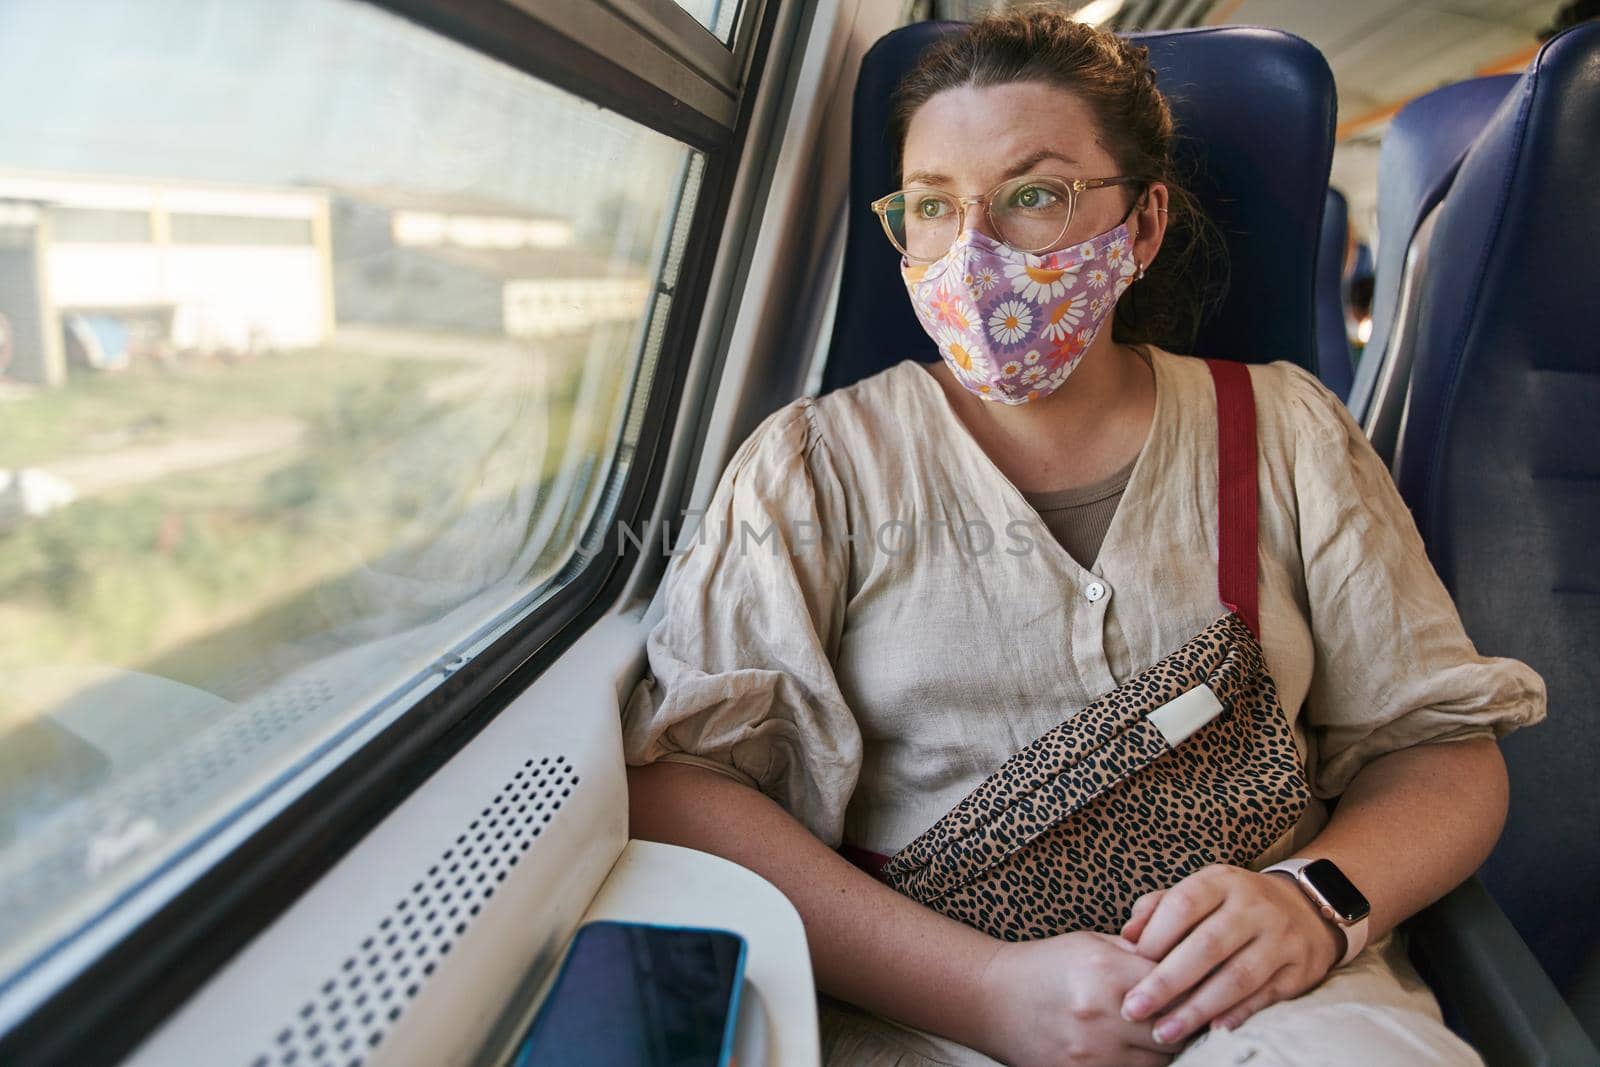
pixel 963 356
pixel 1064 316
pixel 1011 322
pixel 1033 280
pixel 1117 254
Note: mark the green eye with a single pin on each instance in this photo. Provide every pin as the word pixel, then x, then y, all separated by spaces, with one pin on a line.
pixel 929 207
pixel 1033 198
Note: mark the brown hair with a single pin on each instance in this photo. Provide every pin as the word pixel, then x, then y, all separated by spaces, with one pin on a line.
pixel 1114 77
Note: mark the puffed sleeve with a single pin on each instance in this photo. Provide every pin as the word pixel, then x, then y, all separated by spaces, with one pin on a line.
pixel 741 666
pixel 1394 667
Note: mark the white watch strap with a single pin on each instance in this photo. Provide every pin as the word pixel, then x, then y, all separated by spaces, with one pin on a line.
pixel 1355 934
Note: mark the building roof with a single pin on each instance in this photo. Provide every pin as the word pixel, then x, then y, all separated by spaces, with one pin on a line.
pixel 92 189
pixel 535 263
pixel 445 203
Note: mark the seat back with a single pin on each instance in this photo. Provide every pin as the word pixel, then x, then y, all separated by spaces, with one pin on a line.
pixel 1421 151
pixel 1333 344
pixel 1500 461
pixel 1255 109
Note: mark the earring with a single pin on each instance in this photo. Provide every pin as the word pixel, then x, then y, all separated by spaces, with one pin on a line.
pixel 1140 276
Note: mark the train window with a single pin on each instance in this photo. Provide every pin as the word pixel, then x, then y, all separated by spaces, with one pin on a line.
pixel 88 225
pixel 326 339
pixel 718 16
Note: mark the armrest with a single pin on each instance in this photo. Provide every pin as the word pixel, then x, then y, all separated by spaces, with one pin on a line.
pixel 659 883
pixel 1485 974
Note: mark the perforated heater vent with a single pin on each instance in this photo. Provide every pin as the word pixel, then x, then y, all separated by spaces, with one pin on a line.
pixel 348 1015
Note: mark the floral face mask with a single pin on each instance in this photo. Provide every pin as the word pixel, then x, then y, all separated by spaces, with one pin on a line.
pixel 1013 325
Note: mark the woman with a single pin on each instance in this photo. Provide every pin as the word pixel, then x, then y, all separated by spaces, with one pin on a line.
pixel 902 583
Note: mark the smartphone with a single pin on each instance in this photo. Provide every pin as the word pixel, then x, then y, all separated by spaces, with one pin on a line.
pixel 637 994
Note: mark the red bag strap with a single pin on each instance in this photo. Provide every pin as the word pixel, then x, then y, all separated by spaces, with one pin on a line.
pixel 1237 529
pixel 868 860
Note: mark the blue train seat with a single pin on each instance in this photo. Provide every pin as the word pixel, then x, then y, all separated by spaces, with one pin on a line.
pixel 1362 267
pixel 1421 151
pixel 1499 459
pixel 1333 343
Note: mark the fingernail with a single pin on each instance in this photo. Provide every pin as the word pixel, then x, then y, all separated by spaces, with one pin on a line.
pixel 1136 1006
pixel 1167 1031
pixel 1222 1024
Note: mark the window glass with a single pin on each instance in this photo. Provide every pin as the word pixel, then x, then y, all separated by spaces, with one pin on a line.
pixel 718 16
pixel 323 344
pixel 89 225
pixel 240 230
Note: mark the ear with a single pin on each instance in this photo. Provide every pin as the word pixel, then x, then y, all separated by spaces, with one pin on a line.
pixel 1148 224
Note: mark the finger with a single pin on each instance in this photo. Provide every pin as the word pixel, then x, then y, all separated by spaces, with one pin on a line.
pixel 1143 908
pixel 1179 911
pixel 1211 944
pixel 1140 1036
pixel 1274 991
pixel 1121 943
pixel 1253 974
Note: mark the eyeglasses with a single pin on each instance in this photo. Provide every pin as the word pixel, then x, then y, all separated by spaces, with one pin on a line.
pixel 1030 213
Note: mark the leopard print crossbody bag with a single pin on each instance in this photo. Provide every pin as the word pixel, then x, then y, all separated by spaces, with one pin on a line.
pixel 1192 762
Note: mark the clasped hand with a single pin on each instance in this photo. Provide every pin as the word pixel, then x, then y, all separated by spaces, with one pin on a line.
pixel 1214 949
pixel 1229 942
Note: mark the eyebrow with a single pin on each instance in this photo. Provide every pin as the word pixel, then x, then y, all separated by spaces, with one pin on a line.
pixel 1021 166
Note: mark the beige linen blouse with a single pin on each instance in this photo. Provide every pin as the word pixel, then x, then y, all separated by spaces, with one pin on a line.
pixel 872 618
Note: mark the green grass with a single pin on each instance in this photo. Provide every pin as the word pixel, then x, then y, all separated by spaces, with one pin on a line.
pixel 149 404
pixel 218 577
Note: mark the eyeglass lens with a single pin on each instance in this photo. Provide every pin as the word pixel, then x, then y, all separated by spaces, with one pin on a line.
pixel 1028 213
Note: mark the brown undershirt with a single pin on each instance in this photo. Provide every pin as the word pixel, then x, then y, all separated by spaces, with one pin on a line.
pixel 1079 518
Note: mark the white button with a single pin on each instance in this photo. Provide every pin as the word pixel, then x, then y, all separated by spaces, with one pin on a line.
pixel 1094 592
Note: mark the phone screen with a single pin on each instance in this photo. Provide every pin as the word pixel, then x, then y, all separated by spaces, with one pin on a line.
pixel 634 994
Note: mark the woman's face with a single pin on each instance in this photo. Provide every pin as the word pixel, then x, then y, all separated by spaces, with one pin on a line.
pixel 968 140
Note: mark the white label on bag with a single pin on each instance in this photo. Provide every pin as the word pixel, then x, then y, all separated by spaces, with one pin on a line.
pixel 1177 719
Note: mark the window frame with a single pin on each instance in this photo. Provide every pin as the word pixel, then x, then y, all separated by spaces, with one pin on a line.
pixel 92 998
pixel 648 60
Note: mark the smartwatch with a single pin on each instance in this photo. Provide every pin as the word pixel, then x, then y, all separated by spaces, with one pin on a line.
pixel 1335 896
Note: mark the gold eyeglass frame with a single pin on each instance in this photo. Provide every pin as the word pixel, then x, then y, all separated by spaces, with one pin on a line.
pixel 1072 187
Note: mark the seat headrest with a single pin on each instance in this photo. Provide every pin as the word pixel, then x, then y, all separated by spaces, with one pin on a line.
pixel 1421 150
pixel 1255 113
pixel 1509 292
pixel 1500 462
pixel 1333 344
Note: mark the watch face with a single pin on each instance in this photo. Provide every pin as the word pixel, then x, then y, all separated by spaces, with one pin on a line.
pixel 1343 897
